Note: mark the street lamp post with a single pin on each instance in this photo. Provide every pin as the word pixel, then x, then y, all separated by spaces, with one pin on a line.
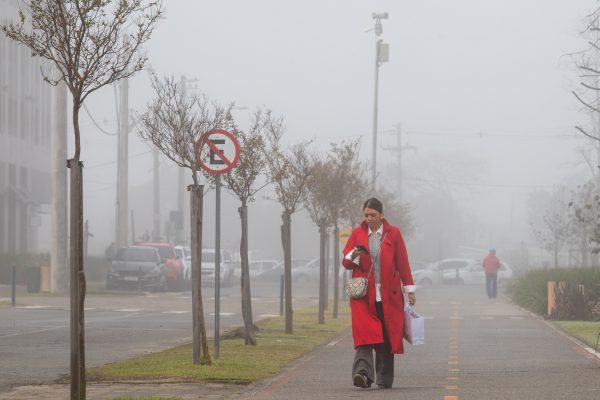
pixel 381 56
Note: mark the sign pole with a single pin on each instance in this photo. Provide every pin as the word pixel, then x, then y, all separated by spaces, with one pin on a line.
pixel 217 160
pixel 218 266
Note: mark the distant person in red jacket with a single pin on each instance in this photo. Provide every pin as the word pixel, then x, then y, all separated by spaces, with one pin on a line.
pixel 378 317
pixel 491 264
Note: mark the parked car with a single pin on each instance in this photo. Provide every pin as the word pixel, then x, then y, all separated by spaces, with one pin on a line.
pixel 172 262
pixel 258 267
pixel 185 257
pixel 310 271
pixel 137 265
pixel 444 271
pixel 475 275
pixel 275 273
pixel 207 269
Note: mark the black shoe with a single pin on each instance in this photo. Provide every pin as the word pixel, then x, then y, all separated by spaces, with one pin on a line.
pixel 361 381
pixel 384 386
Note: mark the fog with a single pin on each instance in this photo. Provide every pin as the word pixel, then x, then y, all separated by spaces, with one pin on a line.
pixel 482 91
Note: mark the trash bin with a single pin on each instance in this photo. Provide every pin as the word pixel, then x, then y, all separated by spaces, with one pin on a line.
pixel 33 279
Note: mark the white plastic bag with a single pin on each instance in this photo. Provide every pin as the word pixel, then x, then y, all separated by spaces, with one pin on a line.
pixel 414 327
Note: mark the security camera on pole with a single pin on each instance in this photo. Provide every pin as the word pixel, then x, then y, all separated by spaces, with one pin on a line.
pixel 382 52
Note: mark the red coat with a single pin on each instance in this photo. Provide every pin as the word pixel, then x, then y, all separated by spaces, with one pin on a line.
pixel 395 272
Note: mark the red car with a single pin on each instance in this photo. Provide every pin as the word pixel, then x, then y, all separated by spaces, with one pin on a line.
pixel 174 273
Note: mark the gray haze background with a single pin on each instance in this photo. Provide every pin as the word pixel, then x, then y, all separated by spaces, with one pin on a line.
pixel 481 88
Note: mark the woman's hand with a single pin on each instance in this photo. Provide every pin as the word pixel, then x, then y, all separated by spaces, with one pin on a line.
pixel 358 251
pixel 412 299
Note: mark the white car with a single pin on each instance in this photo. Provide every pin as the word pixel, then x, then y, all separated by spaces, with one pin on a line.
pixel 445 271
pixel 458 271
pixel 185 257
pixel 258 267
pixel 207 269
pixel 475 275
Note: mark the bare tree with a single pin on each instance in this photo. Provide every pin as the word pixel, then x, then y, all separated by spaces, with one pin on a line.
pixel 90 44
pixel 318 204
pixel 550 222
pixel 173 122
pixel 585 219
pixel 344 180
pixel 241 181
pixel 289 170
pixel 587 63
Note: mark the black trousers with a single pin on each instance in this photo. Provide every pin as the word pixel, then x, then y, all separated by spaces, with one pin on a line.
pixel 383 368
pixel 491 285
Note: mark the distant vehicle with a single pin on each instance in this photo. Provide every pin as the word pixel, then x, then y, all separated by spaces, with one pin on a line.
pixel 137 265
pixel 258 267
pixel 444 271
pixel 475 275
pixel 172 262
pixel 458 271
pixel 310 271
pixel 207 269
pixel 185 257
pixel 275 273
pixel 418 265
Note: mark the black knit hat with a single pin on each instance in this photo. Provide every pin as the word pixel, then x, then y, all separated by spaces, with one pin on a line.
pixel 374 204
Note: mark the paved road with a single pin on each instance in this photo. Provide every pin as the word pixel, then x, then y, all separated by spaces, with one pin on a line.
pixel 476 349
pixel 34 337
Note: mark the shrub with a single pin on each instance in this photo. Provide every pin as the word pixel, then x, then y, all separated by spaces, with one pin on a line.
pixel 530 290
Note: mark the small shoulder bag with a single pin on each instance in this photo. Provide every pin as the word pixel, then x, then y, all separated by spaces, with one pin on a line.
pixel 356 288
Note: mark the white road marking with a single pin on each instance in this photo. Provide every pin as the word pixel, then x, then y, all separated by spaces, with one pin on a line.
pixel 127 310
pixel 34 307
pixel 173 312
pixel 223 314
pixel 516 317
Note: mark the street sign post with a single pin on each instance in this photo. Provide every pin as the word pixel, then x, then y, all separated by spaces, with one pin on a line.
pixel 217 152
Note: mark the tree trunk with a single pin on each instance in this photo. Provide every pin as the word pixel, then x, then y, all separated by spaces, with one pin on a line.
pixel 201 354
pixel 286 239
pixel 77 291
pixel 322 277
pixel 245 279
pixel 336 269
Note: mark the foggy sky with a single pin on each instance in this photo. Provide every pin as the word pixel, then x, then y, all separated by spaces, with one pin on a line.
pixel 485 83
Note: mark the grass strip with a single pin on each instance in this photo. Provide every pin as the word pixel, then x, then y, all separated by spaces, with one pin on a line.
pixel 237 362
pixel 586 331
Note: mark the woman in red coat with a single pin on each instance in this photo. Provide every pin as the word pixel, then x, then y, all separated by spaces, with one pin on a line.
pixel 378 317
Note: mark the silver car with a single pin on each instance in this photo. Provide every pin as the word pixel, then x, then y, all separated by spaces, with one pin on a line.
pixel 137 266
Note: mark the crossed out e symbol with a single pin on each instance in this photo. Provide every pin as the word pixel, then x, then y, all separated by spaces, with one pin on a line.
pixel 216 160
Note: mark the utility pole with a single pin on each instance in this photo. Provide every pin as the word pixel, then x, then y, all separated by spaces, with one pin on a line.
pixel 381 56
pixel 398 149
pixel 122 168
pixel 156 184
pixel 60 230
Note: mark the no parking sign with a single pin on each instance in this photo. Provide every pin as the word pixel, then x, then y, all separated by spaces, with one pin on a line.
pixel 217 152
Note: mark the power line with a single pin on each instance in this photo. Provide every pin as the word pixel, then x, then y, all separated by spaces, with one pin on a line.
pixel 114 162
pixel 95 123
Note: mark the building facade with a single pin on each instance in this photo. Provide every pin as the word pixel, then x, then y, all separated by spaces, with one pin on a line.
pixel 25 136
